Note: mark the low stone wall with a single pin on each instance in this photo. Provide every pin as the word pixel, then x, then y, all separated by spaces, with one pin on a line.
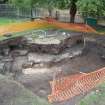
pixel 12 42
pixel 16 54
pixel 55 47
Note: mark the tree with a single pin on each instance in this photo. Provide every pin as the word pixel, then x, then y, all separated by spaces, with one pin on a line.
pixel 73 10
pixel 26 4
pixel 86 7
pixel 93 8
pixel 48 4
pixel 3 1
pixel 68 4
pixel 31 4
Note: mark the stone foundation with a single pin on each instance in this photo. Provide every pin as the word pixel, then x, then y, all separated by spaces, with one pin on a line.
pixel 17 54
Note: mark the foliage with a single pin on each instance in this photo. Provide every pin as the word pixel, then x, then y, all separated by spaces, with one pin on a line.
pixel 24 3
pixel 46 3
pixel 62 4
pixel 92 8
pixel 6 21
pixel 13 93
pixel 95 98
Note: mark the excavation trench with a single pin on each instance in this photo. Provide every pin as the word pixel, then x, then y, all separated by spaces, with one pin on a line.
pixel 33 59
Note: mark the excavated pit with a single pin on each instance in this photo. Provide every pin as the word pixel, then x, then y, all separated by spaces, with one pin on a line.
pixel 34 58
pixel 46 49
pixel 39 48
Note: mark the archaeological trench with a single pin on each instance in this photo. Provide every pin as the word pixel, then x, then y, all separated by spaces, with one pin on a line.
pixel 23 56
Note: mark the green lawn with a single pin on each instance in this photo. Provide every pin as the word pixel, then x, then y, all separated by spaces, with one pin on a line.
pixel 95 97
pixel 13 93
pixel 6 21
pixel 23 33
pixel 101 30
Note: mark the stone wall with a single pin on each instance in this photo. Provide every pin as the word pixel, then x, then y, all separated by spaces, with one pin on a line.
pixel 16 54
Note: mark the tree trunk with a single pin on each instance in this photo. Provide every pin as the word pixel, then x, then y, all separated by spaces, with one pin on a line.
pixel 72 18
pixel 73 10
pixel 3 1
pixel 50 12
pixel 57 15
pixel 32 18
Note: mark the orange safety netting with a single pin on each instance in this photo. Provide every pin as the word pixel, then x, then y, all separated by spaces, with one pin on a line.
pixel 67 87
pixel 24 26
pixel 71 26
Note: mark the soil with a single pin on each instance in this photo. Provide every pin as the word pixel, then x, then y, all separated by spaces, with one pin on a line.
pixel 13 93
pixel 39 81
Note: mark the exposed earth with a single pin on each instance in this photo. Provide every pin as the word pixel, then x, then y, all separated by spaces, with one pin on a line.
pixel 35 70
pixel 39 82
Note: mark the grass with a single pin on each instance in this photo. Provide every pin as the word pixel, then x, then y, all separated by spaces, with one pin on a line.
pixel 6 21
pixel 15 94
pixel 19 34
pixel 101 30
pixel 95 98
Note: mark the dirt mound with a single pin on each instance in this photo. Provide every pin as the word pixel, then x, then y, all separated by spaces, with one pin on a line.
pixel 13 93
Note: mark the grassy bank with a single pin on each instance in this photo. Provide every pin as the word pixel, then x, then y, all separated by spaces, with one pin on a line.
pixel 13 93
pixel 96 97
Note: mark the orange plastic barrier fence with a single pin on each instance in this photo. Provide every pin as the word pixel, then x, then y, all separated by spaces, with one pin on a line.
pixel 23 26
pixel 71 26
pixel 70 86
